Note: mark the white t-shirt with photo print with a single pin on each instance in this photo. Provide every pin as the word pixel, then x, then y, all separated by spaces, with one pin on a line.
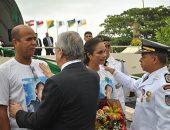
pixel 18 83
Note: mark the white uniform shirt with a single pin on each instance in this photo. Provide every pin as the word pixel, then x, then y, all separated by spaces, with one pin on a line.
pixel 152 111
pixel 17 83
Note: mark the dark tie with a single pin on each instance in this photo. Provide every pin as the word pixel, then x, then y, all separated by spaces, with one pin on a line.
pixel 38 43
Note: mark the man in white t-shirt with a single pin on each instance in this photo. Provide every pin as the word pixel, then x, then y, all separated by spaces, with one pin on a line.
pixel 19 75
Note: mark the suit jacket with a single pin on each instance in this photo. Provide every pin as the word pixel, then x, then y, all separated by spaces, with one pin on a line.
pixel 69 101
pixel 40 44
pixel 45 41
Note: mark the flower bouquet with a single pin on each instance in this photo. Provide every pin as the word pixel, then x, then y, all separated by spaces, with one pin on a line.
pixel 110 115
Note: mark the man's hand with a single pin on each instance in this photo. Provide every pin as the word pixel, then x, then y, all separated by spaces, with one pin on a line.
pixel 46 70
pixel 14 107
pixel 111 70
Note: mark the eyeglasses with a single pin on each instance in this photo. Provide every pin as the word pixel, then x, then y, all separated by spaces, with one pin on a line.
pixel 33 72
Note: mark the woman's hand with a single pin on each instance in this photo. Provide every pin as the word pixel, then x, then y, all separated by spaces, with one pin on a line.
pixel 46 70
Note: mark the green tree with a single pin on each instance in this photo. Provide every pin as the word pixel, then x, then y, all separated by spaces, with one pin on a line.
pixel 150 19
pixel 163 35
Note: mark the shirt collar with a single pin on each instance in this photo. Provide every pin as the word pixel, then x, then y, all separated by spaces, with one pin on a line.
pixel 156 73
pixel 68 63
pixel 111 59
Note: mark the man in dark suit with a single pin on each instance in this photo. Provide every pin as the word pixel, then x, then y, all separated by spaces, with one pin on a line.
pixel 39 44
pixel 69 99
pixel 48 42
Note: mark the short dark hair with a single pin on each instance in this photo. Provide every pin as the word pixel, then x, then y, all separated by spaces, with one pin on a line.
pixel 87 32
pixel 163 57
pixel 103 38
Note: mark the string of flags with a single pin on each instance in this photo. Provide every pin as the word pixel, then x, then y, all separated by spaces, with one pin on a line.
pixel 58 24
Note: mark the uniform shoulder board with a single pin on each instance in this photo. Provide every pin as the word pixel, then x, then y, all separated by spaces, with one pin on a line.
pixel 120 60
pixel 167 77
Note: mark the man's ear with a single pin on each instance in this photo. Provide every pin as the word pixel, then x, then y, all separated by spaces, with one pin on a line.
pixel 156 59
pixel 14 42
pixel 61 53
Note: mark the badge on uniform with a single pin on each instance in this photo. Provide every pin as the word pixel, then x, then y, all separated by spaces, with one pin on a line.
pixel 148 94
pixel 167 100
pixel 167 78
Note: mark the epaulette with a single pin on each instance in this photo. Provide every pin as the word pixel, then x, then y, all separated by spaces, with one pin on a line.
pixel 120 60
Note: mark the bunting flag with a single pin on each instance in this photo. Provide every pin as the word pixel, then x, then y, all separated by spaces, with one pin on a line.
pixel 30 22
pixel 71 22
pixel 50 23
pixel 60 23
pixel 81 22
pixel 39 23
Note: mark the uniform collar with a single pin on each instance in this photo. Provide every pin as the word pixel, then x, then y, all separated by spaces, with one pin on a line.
pixel 153 76
pixel 158 72
pixel 111 59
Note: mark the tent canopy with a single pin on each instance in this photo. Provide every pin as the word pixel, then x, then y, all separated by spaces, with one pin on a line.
pixel 10 16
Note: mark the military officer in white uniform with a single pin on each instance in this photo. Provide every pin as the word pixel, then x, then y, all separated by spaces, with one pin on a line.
pixel 118 65
pixel 152 111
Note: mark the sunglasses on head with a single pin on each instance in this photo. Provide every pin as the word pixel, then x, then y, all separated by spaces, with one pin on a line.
pixel 33 72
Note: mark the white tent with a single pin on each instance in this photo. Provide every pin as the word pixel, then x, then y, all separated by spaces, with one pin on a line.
pixel 131 49
pixel 10 16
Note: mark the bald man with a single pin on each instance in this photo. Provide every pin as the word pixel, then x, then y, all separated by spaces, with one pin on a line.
pixel 19 75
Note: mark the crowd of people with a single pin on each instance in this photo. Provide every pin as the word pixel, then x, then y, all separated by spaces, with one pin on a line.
pixel 32 97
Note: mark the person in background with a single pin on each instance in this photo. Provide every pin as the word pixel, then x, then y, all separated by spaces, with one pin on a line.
pixel 17 73
pixel 69 99
pixel 48 42
pixel 1 42
pixel 152 111
pixel 39 44
pixel 118 65
pixel 87 36
pixel 1 45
